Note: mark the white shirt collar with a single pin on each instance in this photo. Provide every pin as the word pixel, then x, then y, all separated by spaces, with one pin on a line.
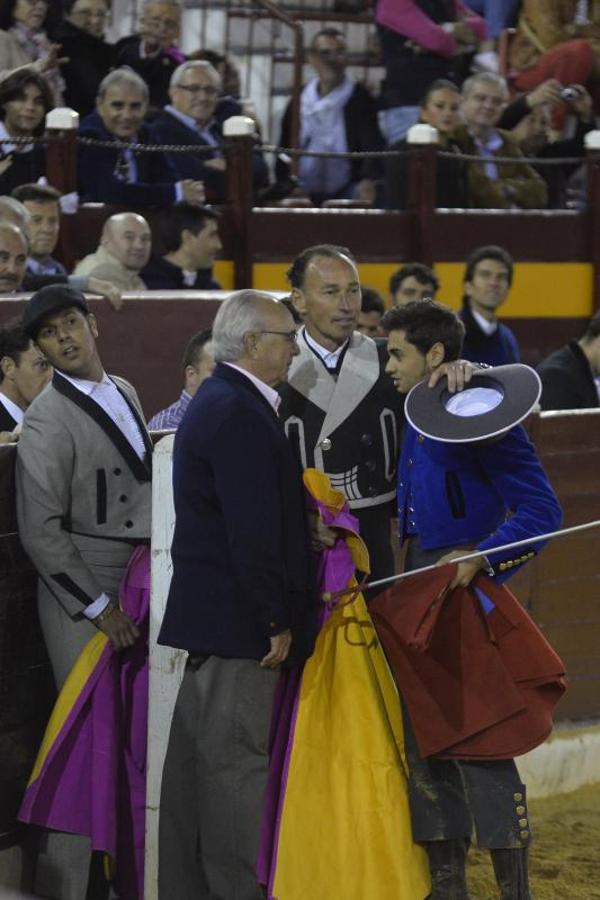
pixel 486 326
pixel 329 357
pixel 269 393
pixel 11 408
pixel 12 148
pixel 87 387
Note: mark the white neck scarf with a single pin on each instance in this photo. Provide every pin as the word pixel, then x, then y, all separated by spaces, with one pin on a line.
pixel 323 128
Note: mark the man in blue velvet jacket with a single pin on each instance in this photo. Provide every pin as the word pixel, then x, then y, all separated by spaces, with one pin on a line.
pixel 120 176
pixel 242 602
pixel 468 496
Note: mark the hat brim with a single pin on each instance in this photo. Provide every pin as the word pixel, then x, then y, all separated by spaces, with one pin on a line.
pixel 519 385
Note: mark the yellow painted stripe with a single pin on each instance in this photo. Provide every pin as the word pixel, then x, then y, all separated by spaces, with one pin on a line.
pixel 71 690
pixel 540 290
pixel 223 273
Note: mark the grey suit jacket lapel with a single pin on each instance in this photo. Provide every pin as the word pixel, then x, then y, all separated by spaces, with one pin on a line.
pixel 141 469
pixel 338 399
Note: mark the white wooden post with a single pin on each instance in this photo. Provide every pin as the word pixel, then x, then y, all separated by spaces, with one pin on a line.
pixel 166 665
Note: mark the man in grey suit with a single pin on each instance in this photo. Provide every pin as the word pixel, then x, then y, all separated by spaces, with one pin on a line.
pixel 83 504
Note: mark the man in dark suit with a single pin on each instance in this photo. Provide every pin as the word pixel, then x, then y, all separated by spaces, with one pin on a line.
pixel 569 374
pixel 190 235
pixel 24 372
pixel 241 602
pixel 119 176
pixel 195 116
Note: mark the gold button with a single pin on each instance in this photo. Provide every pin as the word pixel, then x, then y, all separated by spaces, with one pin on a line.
pixel 517 797
pixel 523 823
pixel 524 835
pixel 502 567
pixel 520 810
pixel 325 444
pixel 510 563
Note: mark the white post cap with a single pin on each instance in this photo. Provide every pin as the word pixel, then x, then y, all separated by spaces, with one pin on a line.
pixel 592 140
pixel 238 126
pixel 63 119
pixel 422 134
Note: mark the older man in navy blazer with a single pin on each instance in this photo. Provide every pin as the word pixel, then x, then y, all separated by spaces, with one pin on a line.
pixel 242 602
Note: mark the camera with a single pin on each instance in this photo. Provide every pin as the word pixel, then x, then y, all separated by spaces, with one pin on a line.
pixel 569 93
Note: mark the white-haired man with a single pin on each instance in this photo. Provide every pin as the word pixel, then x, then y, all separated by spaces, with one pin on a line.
pixel 119 176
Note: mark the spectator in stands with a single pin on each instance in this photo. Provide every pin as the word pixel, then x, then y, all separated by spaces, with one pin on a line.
pixel 24 101
pixel 371 313
pixel 153 53
pixel 42 202
pixel 13 257
pixel 198 364
pixel 487 280
pixel 489 184
pixel 569 375
pixel 440 108
pixel 498 15
pixel 536 137
pixel 337 114
pixel 123 252
pixel 190 235
pixel 193 117
pixel 118 176
pixel 24 42
pixel 413 281
pixel 556 40
pixel 420 41
pixel 230 75
pixel 13 212
pixel 89 56
pixel 24 372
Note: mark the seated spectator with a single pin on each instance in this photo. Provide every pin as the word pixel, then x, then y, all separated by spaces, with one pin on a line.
pixel 43 205
pixel 536 137
pixel 371 313
pixel 336 115
pixel 420 41
pixel 198 364
pixel 192 117
pixel 24 42
pixel 489 184
pixel 554 40
pixel 569 374
pixel 24 101
pixel 440 108
pixel 190 235
pixel 413 281
pixel 123 252
pixel 13 257
pixel 153 53
pixel 13 212
pixel 487 280
pixel 119 176
pixel 89 56
pixel 24 372
pixel 230 75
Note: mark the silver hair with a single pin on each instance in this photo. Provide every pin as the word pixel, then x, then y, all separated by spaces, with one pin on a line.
pixel 237 316
pixel 148 3
pixel 486 78
pixel 125 76
pixel 194 64
pixel 12 211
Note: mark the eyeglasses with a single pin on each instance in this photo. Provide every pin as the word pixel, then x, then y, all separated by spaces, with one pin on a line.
pixel 210 90
pixel 165 24
pixel 290 336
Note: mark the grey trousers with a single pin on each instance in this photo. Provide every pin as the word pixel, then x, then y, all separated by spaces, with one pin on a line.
pixel 214 781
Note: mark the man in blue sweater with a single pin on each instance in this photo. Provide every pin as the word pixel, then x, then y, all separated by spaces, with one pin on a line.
pixel 453 497
pixel 487 280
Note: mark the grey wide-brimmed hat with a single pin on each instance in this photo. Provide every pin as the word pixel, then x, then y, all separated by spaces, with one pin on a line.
pixel 493 401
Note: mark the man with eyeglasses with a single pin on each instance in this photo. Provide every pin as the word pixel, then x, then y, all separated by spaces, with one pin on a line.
pixel 337 114
pixel 195 116
pixel 89 56
pixel 153 52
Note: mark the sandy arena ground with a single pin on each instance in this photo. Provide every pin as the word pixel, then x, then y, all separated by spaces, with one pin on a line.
pixel 565 854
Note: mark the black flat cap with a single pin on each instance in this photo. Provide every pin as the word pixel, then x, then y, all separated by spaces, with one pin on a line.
pixel 50 299
pixel 493 402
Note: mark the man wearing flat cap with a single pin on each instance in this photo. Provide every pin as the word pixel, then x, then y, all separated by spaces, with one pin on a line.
pixel 456 496
pixel 83 504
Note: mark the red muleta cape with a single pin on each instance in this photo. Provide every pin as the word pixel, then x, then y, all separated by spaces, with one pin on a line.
pixel 476 685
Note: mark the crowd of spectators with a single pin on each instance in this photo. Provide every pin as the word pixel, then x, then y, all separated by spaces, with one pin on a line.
pixel 441 60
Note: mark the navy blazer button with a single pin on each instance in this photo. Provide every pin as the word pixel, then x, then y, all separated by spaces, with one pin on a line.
pixel 128 524
pixel 367 440
pixel 371 465
pixel 116 471
pixel 123 498
pixel 421 438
